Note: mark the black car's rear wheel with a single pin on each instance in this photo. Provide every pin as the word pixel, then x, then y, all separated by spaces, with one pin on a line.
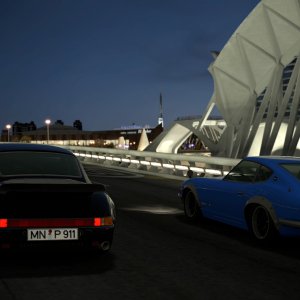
pixel 262 225
pixel 191 207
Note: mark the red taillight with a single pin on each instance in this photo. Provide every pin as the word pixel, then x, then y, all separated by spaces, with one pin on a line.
pixel 51 223
pixel 97 222
pixel 3 223
pixel 103 221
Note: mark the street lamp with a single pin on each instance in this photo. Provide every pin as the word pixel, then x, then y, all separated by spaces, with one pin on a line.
pixel 47 123
pixel 8 127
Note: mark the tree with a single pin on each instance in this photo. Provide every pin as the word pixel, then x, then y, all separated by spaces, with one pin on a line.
pixel 59 122
pixel 77 124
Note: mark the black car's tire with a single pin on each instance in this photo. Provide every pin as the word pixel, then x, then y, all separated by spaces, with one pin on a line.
pixel 192 209
pixel 261 225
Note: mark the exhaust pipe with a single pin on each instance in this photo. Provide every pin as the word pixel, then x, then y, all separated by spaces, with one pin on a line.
pixel 105 245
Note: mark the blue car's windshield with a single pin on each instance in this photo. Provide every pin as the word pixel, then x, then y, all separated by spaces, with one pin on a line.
pixel 20 163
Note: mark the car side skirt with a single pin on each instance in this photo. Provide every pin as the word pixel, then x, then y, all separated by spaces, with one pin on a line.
pixel 289 223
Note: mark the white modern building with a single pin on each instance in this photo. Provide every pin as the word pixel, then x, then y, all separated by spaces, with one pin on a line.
pixel 256 89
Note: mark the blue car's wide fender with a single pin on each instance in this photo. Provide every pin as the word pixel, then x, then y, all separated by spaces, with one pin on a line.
pixel 192 188
pixel 258 200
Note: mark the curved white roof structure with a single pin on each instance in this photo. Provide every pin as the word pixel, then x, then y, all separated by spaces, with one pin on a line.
pixel 256 86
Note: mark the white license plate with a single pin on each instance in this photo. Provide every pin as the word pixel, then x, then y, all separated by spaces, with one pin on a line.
pixel 52 234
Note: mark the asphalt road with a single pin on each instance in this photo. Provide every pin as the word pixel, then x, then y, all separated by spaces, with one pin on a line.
pixel 156 254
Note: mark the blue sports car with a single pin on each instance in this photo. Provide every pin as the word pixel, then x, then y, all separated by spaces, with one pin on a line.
pixel 260 194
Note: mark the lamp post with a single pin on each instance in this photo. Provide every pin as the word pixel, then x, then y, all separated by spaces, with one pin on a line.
pixel 8 127
pixel 47 124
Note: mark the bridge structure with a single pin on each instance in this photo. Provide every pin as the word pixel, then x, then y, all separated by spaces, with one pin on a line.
pixel 256 89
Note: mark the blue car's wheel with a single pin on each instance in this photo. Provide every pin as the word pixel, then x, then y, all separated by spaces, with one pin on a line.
pixel 262 225
pixel 191 207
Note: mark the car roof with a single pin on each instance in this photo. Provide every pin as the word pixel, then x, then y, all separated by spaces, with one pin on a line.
pixel 4 147
pixel 274 159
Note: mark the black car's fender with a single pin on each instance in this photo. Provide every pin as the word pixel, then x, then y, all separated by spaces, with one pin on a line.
pixel 103 205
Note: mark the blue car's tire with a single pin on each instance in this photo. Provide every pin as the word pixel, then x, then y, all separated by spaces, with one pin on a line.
pixel 262 225
pixel 192 210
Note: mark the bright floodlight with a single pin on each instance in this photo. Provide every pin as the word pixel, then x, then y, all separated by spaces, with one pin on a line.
pixel 47 123
pixel 8 127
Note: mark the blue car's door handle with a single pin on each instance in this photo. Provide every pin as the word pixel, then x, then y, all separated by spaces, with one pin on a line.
pixel 240 193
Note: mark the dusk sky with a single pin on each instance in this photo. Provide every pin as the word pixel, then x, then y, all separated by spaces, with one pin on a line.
pixel 106 62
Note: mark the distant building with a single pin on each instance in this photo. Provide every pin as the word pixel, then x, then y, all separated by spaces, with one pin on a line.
pixel 18 128
pixel 61 134
pixel 58 134
pixel 130 134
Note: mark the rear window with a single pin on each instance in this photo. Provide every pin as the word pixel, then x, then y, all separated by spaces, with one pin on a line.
pixel 294 169
pixel 38 163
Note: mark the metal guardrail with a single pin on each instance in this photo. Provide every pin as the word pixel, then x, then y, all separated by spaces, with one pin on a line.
pixel 164 164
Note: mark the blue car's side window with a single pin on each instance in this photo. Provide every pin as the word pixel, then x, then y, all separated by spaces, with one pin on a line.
pixel 245 171
pixel 263 174
pixel 248 171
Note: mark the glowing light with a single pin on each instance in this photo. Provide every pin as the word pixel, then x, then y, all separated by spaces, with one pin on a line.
pixel 155 164
pixel 197 170
pixel 48 122
pixel 168 166
pixel 3 223
pixel 97 222
pixel 51 223
pixel 135 161
pixel 213 172
pixel 181 168
pixel 8 127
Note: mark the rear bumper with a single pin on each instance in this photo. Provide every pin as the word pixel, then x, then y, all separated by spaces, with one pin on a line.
pixel 13 238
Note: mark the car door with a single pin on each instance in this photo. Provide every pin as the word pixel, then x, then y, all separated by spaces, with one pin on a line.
pixel 226 202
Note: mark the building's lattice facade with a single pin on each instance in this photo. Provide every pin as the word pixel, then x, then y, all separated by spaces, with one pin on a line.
pixel 256 88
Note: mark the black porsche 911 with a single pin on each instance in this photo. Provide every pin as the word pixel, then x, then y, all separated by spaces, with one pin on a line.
pixel 46 198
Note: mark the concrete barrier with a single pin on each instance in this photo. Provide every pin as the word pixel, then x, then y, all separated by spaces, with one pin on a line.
pixel 164 164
